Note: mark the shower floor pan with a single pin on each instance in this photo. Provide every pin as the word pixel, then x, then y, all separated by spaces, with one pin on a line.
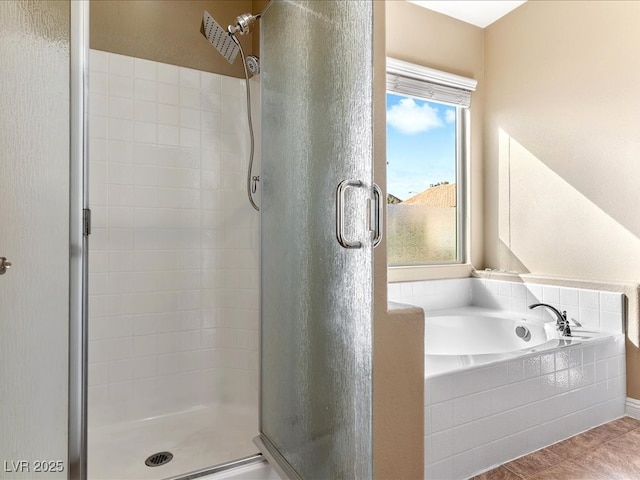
pixel 197 438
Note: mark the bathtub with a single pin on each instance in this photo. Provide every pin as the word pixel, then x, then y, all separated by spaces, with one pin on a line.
pixel 461 337
pixel 492 396
pixel 478 331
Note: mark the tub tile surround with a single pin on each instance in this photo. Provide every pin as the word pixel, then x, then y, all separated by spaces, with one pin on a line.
pixel 479 418
pixel 487 415
pixel 174 252
pixel 594 310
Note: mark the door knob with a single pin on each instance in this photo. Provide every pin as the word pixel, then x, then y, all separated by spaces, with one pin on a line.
pixel 4 265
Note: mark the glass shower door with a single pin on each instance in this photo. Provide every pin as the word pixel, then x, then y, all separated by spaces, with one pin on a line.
pixel 34 238
pixel 317 180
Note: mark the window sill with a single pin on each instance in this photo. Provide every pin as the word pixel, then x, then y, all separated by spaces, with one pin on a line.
pixel 414 273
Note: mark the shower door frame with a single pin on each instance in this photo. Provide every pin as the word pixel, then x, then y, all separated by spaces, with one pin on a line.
pixel 79 230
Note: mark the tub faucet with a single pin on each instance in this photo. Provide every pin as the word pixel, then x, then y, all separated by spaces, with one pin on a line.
pixel 562 324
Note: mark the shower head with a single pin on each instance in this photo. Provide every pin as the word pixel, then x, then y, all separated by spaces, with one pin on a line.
pixel 222 40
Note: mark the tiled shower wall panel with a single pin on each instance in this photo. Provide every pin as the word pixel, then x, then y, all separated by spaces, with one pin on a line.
pixel 174 251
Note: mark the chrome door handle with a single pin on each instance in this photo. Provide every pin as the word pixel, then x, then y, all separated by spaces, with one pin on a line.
pixel 377 216
pixel 4 265
pixel 340 194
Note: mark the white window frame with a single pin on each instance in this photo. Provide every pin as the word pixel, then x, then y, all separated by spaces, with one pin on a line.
pixel 426 83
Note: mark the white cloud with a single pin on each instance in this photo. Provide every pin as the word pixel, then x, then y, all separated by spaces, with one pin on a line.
pixel 409 118
pixel 450 116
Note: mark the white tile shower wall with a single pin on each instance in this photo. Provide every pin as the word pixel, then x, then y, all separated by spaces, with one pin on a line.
pixel 174 252
pixel 479 418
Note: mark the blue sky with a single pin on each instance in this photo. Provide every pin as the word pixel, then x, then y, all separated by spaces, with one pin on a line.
pixel 420 145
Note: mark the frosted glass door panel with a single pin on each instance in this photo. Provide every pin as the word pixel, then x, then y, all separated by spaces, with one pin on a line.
pixel 316 295
pixel 34 236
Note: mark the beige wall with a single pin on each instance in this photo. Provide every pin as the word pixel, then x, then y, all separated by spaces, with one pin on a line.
pixel 168 31
pixel 562 144
pixel 398 333
pixel 421 36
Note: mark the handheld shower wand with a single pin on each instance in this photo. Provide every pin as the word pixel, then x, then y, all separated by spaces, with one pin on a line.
pixel 228 46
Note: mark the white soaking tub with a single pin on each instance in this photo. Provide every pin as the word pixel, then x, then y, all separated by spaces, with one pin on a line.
pixel 492 395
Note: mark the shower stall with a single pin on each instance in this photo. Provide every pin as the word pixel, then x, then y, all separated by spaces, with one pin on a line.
pixel 173 270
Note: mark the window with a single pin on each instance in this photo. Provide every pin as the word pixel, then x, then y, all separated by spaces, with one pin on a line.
pixel 427 130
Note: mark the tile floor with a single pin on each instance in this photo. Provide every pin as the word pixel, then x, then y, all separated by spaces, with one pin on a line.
pixel 608 452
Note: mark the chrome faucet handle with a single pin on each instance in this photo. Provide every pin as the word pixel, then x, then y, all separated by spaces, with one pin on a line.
pixel 562 324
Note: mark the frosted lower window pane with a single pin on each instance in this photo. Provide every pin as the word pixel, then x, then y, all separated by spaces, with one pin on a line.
pixel 421 234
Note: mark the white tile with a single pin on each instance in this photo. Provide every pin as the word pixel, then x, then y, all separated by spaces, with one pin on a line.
pixel 569 297
pixel 189 77
pixel 611 322
pixel 442 445
pixel 145 111
pixel 547 363
pixel 121 174
pixel 98 127
pixel 99 104
pixel 551 295
pixel 441 416
pixel 119 304
pixel 120 65
pixel 145 90
pixel 190 118
pixel 145 132
pixel 98 61
pixel 169 115
pixel 168 73
pixel 99 84
pixel 515 370
pixel 120 195
pixel 518 290
pixel 499 375
pixel 534 293
pixel 120 107
pixel 562 359
pixel 98 374
pixel 589 318
pixel 120 370
pixel 210 81
pixel 589 299
pixel 505 303
pixel 120 129
pixel 481 404
pixel 168 94
pixel 120 326
pixel 504 289
pixel 211 102
pixel 145 69
pixel 98 351
pixel 120 86
pixel 168 135
pixel 232 86
pixel 189 97
pixel 189 137
pixel 611 302
pixel 463 438
pixel 120 152
pixel 120 348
